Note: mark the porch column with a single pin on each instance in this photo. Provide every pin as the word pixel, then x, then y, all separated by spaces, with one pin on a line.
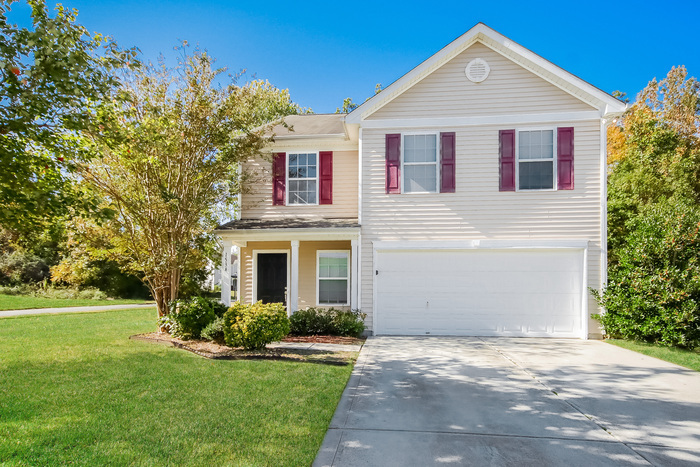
pixel 226 273
pixel 354 267
pixel 294 282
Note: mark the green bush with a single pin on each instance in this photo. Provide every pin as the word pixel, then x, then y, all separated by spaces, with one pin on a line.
pixel 349 323
pixel 653 292
pixel 192 316
pixel 254 326
pixel 311 321
pixel 214 331
pixel 19 267
pixel 319 321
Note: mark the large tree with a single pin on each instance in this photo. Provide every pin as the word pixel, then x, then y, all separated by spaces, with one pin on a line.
pixel 654 152
pixel 169 152
pixel 52 73
pixel 653 291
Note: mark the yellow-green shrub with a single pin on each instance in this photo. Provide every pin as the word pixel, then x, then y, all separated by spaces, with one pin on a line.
pixel 254 326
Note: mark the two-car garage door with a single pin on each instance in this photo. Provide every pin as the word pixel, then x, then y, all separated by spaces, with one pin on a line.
pixel 480 292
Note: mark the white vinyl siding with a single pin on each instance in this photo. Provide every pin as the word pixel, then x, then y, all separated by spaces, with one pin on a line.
pixel 477 210
pixel 509 89
pixel 257 202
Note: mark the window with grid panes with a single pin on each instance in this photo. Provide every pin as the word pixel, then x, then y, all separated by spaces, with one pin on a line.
pixel 333 277
pixel 302 179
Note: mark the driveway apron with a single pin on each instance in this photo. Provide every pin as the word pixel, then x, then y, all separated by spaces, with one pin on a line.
pixel 416 401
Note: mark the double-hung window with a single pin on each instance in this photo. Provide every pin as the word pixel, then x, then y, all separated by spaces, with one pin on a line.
pixel 420 163
pixel 333 278
pixel 536 161
pixel 302 178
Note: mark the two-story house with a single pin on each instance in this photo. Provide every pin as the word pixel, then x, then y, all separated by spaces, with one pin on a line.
pixel 467 198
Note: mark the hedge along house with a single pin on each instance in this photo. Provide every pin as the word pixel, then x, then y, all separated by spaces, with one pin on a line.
pixel 467 198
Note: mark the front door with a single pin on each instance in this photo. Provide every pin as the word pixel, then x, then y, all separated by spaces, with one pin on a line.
pixel 272 277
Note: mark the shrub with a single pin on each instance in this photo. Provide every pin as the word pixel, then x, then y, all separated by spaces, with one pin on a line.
pixel 653 293
pixel 192 316
pixel 214 331
pixel 19 267
pixel 254 326
pixel 349 323
pixel 311 321
pixel 314 321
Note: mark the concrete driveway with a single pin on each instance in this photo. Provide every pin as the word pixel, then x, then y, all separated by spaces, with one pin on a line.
pixel 417 401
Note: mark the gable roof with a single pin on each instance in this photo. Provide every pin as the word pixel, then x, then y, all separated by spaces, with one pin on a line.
pixel 586 92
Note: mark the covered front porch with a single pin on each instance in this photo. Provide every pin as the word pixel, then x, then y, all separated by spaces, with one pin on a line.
pixel 301 263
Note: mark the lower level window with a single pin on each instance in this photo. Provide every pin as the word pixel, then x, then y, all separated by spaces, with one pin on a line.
pixel 333 277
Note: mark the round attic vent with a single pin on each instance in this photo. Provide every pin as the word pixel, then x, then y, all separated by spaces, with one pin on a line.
pixel 477 70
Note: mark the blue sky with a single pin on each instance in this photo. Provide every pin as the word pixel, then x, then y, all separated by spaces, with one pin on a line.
pixel 326 51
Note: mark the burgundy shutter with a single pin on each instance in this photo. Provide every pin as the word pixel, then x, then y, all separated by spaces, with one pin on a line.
pixel 565 158
pixel 507 159
pixel 393 163
pixel 325 188
pixel 447 162
pixel 279 167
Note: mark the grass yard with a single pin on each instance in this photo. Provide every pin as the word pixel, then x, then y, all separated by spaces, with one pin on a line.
pixel 24 302
pixel 75 390
pixel 687 358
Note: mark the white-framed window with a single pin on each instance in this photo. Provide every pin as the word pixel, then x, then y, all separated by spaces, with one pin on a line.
pixel 302 178
pixel 420 163
pixel 536 165
pixel 333 277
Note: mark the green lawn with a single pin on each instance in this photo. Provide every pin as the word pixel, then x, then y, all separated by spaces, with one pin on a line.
pixel 687 358
pixel 75 390
pixel 24 302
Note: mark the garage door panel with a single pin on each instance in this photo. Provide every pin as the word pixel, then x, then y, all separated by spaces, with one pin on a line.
pixel 480 292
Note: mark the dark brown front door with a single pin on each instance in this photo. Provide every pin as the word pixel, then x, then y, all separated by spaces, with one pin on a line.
pixel 272 277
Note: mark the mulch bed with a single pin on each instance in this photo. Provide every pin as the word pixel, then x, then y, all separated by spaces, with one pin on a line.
pixel 326 340
pixel 212 350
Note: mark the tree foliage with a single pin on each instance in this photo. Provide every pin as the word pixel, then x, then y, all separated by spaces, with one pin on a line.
pixel 654 152
pixel 348 104
pixel 52 73
pixel 654 215
pixel 169 152
pixel 653 293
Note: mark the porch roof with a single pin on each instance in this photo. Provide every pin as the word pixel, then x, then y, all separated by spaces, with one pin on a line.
pixel 289 223
pixel 244 230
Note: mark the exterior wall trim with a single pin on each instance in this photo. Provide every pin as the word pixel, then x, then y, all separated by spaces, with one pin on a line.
pixel 512 120
pixel 480 244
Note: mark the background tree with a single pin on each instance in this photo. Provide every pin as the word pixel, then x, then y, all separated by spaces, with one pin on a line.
pixel 169 152
pixel 52 73
pixel 348 105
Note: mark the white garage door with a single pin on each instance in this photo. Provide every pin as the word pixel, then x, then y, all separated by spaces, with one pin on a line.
pixel 480 292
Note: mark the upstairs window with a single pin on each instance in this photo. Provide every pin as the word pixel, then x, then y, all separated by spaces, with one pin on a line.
pixel 420 163
pixel 536 163
pixel 302 187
